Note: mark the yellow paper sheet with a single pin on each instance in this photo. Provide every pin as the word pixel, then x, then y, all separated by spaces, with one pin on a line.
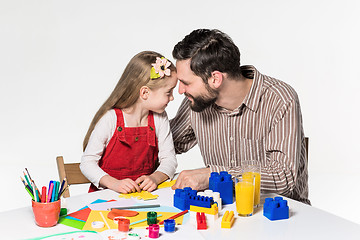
pixel 166 184
pixel 96 216
pixel 143 195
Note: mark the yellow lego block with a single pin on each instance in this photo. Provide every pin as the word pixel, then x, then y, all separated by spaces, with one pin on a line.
pixel 213 210
pixel 227 220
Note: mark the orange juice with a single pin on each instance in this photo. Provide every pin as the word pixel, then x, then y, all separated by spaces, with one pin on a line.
pixel 244 194
pixel 257 186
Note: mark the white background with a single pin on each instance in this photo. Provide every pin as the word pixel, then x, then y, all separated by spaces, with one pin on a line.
pixel 59 61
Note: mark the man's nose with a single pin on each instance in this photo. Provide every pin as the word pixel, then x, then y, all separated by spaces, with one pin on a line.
pixel 181 88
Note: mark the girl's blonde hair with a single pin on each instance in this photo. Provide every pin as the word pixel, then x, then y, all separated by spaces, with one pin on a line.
pixel 127 90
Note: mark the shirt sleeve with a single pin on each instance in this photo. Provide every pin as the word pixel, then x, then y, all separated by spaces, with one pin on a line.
pixel 98 141
pixel 282 147
pixel 183 134
pixel 283 150
pixel 167 158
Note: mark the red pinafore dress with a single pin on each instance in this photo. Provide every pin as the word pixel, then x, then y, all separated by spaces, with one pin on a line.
pixel 131 152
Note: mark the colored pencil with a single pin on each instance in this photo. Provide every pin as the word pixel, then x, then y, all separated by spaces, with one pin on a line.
pixel 143 220
pixel 134 207
pixel 28 174
pixel 62 186
pixel 175 216
pixel 27 180
pixel 67 186
pixel 105 220
pixel 30 193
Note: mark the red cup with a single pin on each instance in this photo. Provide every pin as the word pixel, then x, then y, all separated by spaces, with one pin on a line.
pixel 46 214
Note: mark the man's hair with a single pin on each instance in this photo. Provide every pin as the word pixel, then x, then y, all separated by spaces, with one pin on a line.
pixel 209 50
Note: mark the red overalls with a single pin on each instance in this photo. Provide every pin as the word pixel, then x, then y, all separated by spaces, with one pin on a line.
pixel 131 152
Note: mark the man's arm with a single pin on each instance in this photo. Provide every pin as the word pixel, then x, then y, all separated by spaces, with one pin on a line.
pixel 283 148
pixel 182 132
pixel 184 139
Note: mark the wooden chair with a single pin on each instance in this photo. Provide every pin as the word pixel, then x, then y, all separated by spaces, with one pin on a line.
pixel 307 148
pixel 72 173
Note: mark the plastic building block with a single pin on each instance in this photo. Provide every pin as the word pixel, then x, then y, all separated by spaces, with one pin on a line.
pixel 214 195
pixel 228 219
pixel 201 221
pixel 182 198
pixel 223 184
pixel 276 209
pixel 213 210
pixel 201 201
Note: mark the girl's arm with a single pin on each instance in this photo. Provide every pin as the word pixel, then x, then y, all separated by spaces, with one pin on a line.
pixel 98 141
pixel 167 157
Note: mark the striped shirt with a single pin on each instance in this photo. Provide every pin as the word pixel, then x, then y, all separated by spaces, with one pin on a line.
pixel 266 127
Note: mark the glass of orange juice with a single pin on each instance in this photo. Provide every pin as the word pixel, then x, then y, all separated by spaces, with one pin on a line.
pixel 253 167
pixel 244 194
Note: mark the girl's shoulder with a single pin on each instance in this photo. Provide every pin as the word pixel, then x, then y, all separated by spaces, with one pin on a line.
pixel 109 117
pixel 160 119
pixel 160 116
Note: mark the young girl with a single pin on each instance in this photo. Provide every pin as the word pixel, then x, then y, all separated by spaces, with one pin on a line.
pixel 129 146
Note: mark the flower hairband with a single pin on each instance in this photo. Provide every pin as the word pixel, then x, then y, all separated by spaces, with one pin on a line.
pixel 160 68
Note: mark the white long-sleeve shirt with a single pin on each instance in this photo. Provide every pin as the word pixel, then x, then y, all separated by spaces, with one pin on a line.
pixel 104 131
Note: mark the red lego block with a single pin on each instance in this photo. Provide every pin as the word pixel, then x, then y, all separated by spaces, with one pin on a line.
pixel 201 221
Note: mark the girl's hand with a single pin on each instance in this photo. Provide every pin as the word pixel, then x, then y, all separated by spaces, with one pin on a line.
pixel 148 183
pixel 125 186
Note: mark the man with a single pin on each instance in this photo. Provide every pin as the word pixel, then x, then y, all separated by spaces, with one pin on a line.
pixel 235 113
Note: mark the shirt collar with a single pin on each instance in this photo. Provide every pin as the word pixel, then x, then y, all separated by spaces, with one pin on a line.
pixel 252 100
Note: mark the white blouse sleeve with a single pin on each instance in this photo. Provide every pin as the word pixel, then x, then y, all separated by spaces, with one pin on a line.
pixel 98 141
pixel 167 158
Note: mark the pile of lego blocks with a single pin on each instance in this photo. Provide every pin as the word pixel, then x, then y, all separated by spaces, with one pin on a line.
pixel 206 205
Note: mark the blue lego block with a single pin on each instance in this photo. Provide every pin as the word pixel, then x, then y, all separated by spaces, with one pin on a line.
pixel 276 209
pixel 182 198
pixel 201 201
pixel 223 184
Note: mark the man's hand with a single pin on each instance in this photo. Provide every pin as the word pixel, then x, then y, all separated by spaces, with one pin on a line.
pixel 197 179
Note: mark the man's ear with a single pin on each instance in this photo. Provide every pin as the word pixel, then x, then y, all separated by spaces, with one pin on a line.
pixel 216 79
pixel 144 92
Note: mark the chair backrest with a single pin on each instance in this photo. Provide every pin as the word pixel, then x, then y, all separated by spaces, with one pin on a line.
pixel 307 148
pixel 72 173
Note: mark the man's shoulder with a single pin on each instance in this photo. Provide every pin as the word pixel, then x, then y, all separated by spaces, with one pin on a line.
pixel 277 88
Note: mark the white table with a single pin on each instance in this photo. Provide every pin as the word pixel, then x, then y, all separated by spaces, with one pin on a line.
pixel 305 222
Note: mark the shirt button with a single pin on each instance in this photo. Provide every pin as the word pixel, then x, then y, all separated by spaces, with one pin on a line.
pixel 231 138
pixel 136 139
pixel 232 161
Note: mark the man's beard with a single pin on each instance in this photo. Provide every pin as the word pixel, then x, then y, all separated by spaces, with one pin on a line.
pixel 202 102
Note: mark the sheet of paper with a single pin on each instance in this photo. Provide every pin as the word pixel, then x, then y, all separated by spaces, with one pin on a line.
pixel 143 195
pixel 113 204
pixel 166 184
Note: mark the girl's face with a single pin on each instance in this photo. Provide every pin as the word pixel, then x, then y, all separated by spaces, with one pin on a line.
pixel 159 98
